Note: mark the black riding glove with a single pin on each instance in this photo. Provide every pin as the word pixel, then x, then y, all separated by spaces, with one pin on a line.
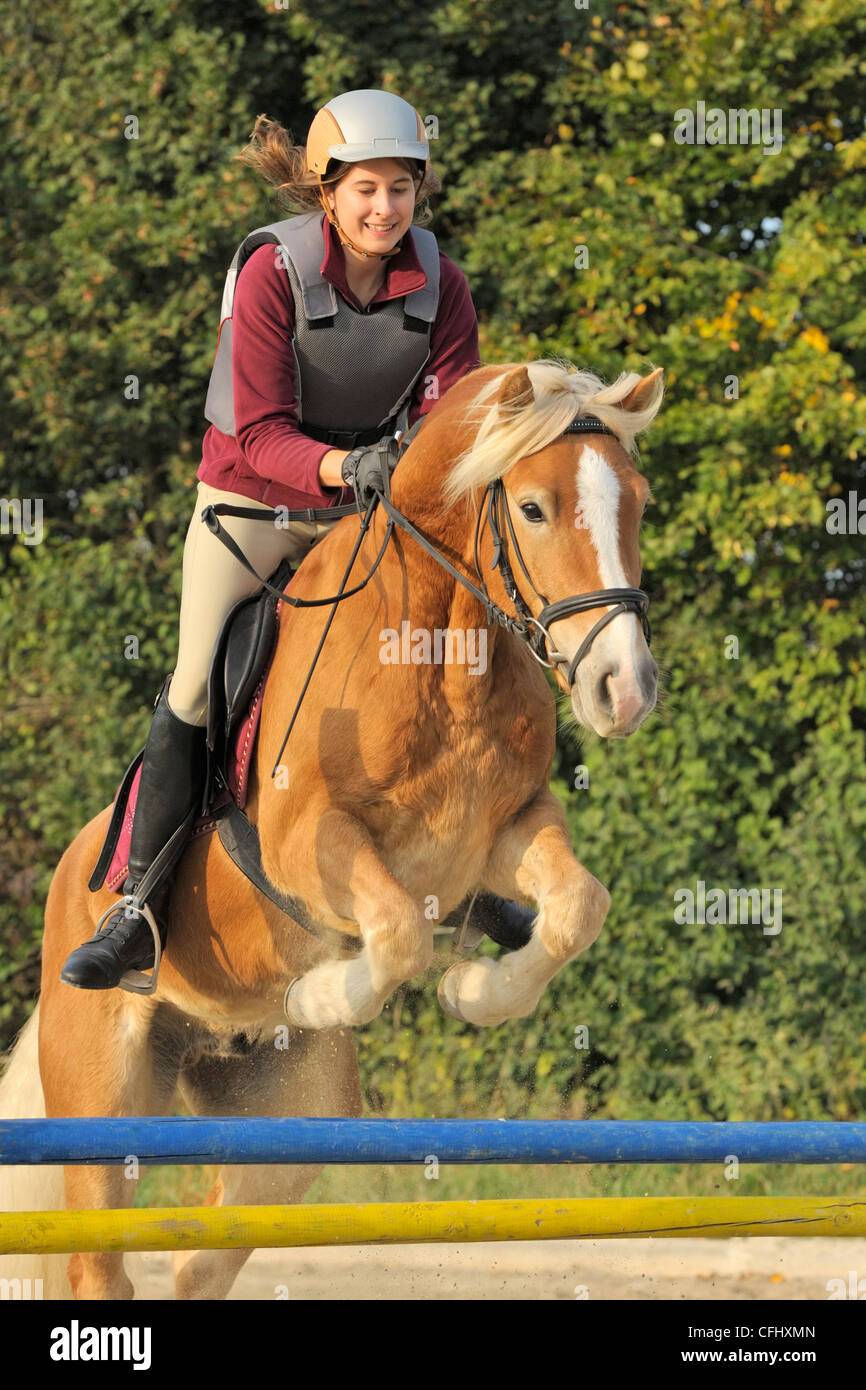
pixel 368 469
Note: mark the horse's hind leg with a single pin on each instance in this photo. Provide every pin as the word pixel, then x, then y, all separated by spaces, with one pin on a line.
pixel 96 1058
pixel 315 1074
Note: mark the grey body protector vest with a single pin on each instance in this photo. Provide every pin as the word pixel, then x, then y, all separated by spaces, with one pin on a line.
pixel 355 371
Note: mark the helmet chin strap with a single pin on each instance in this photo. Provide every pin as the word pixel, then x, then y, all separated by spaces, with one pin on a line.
pixel 346 240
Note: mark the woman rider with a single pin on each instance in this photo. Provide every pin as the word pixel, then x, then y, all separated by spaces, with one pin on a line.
pixel 325 339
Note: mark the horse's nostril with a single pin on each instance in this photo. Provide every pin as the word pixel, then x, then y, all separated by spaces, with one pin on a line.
pixel 604 693
pixel 648 674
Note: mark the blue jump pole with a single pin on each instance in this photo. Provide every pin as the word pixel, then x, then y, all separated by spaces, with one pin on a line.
pixel 301 1140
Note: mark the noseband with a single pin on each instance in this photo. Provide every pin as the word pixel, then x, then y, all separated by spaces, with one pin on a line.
pixel 494 505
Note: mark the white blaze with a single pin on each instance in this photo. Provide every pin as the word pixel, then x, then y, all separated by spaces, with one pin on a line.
pixel 598 494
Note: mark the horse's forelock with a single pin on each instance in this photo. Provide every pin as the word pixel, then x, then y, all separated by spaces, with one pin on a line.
pixel 561 393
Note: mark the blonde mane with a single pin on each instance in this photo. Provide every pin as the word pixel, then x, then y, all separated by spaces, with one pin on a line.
pixel 508 434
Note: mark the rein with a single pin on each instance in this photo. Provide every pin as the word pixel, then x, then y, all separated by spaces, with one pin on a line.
pixel 493 508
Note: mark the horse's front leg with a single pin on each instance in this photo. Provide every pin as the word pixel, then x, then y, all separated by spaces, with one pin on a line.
pixel 531 859
pixel 397 938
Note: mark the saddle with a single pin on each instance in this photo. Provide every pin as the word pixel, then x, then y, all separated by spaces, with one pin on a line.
pixel 236 680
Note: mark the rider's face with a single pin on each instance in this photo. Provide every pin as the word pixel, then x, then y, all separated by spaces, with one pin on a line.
pixel 377 194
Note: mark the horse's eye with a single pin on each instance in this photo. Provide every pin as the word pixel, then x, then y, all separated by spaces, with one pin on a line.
pixel 531 511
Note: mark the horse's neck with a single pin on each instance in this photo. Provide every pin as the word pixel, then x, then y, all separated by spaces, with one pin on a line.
pixel 436 604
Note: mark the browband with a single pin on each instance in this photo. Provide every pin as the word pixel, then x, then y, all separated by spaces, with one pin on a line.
pixel 588 424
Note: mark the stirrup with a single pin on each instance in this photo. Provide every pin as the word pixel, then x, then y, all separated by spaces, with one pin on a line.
pixel 135 981
pixel 289 987
pixel 468 938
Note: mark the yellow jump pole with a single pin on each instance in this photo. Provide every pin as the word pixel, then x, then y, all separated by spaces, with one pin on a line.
pixel 398 1223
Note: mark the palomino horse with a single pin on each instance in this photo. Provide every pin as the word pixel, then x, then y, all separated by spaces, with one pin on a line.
pixel 410 784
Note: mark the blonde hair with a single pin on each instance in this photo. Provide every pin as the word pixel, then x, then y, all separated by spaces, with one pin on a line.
pixel 513 431
pixel 272 152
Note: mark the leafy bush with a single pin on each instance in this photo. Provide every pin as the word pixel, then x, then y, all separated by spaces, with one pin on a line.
pixel 716 262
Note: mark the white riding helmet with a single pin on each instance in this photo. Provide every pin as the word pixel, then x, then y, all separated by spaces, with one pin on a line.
pixel 366 124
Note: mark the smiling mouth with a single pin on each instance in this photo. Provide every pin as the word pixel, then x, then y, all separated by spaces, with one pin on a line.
pixel 389 228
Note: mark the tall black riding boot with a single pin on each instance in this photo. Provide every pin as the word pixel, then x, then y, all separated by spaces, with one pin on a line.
pixel 507 923
pixel 173 773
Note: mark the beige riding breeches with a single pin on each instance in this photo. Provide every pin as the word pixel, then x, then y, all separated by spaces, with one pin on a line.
pixel 213 581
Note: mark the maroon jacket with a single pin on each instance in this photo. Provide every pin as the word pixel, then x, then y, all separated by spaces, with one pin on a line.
pixel 271 459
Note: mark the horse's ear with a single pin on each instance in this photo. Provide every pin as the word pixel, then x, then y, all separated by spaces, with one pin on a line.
pixel 516 390
pixel 647 393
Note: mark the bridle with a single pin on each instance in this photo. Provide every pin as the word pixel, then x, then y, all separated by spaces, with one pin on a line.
pixel 625 600
pixel 494 506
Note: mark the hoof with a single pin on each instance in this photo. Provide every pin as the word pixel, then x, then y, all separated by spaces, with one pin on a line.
pixel 293 1017
pixel 448 990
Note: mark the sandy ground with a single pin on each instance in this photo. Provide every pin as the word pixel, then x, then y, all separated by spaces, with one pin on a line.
pixel 748 1269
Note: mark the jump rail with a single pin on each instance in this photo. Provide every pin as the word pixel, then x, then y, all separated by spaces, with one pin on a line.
pixel 234 1139
pixel 409 1223
pixel 301 1140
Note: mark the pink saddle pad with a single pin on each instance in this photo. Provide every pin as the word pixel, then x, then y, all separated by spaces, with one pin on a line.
pixel 238 775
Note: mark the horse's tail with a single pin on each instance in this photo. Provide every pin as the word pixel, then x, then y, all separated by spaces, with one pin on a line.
pixel 29 1187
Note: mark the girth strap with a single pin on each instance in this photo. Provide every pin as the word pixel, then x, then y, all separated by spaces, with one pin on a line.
pixel 240 839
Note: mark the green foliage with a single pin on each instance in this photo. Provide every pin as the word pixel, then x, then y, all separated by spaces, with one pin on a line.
pixel 715 262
